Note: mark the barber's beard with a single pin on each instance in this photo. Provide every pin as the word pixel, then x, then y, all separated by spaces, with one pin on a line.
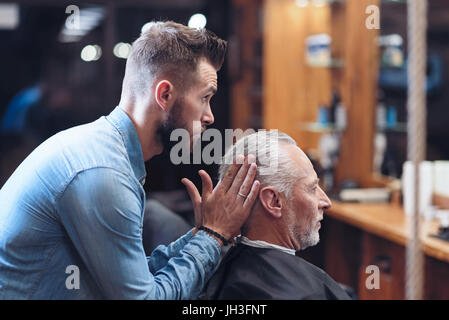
pixel 174 121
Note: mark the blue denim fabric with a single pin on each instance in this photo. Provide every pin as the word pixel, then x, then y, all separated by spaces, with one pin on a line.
pixel 78 199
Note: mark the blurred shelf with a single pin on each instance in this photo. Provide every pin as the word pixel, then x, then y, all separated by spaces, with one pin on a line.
pixel 316 3
pixel 394 1
pixel 400 127
pixel 334 63
pixel 319 127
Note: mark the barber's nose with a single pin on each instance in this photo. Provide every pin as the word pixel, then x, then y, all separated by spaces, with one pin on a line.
pixel 208 117
pixel 325 202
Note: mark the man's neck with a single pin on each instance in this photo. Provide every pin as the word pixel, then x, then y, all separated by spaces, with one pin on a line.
pixel 263 244
pixel 146 128
pixel 274 233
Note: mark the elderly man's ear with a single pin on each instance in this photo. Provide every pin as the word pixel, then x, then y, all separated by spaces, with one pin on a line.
pixel 271 200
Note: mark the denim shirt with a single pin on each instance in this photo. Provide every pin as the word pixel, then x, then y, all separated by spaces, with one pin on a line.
pixel 71 223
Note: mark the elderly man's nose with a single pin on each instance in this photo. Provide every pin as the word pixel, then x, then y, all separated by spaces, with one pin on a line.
pixel 325 202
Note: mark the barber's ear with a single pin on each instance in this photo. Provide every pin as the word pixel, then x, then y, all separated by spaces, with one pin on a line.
pixel 164 94
pixel 271 201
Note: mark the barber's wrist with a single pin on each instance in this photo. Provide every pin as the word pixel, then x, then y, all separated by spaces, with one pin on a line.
pixel 211 235
pixel 219 237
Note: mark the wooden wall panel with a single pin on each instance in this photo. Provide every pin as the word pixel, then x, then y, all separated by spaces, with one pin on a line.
pixel 292 90
pixel 437 273
pixel 390 259
pixel 242 58
pixel 342 249
pixel 359 90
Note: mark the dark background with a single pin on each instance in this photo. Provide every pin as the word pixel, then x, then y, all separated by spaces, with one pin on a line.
pixel 32 52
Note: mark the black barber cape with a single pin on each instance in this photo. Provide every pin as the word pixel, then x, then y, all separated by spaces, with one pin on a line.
pixel 247 273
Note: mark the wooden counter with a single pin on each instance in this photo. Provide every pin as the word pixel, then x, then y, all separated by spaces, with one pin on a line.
pixel 389 222
pixel 355 236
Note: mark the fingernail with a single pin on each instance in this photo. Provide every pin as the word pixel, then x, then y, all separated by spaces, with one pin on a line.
pixel 251 158
pixel 239 159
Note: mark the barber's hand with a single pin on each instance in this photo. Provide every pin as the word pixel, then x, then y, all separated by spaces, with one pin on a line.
pixel 222 209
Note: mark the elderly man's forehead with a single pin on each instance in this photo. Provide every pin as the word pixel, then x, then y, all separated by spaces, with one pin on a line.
pixel 302 161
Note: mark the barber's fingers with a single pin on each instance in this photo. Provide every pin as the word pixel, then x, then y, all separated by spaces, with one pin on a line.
pixel 252 196
pixel 207 185
pixel 245 188
pixel 230 174
pixel 193 192
pixel 242 175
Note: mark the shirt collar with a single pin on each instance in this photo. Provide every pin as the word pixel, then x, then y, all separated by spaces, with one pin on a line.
pixel 120 120
pixel 263 244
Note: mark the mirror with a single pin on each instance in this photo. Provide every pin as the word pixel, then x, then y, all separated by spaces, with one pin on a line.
pixel 390 139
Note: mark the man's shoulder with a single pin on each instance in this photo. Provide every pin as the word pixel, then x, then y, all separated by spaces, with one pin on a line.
pixel 251 273
pixel 84 147
pixel 63 156
pixel 270 260
pixel 95 136
pixel 262 273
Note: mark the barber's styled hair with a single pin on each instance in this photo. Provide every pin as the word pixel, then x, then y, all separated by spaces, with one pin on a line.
pixel 267 146
pixel 173 50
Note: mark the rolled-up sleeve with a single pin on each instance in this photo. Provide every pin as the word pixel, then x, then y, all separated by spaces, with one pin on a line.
pixel 162 254
pixel 101 210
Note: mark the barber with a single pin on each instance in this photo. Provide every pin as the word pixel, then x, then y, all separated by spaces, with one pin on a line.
pixel 71 214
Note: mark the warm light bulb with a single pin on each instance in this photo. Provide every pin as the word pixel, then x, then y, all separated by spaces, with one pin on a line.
pixel 197 21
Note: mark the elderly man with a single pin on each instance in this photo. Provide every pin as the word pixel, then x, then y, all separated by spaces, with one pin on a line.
pixel 71 214
pixel 285 219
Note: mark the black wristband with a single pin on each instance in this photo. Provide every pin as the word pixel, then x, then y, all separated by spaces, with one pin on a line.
pixel 219 236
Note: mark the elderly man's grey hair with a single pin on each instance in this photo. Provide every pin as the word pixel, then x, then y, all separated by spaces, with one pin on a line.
pixel 274 166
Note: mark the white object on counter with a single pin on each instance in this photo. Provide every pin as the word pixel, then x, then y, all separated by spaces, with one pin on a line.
pixel 365 195
pixel 441 177
pixel 443 216
pixel 425 190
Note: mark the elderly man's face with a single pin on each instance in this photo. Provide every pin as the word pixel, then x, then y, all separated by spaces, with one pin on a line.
pixel 307 202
